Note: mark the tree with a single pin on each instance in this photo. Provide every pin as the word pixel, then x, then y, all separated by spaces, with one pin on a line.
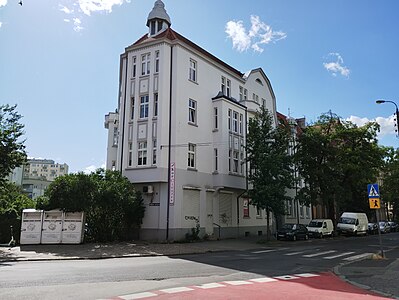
pixel 12 149
pixel 337 159
pixel 390 181
pixel 12 202
pixel 271 172
pixel 113 209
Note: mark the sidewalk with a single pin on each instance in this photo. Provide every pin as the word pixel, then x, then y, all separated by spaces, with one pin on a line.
pixel 380 275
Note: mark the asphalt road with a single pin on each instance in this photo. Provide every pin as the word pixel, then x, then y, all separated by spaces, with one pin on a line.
pixel 98 279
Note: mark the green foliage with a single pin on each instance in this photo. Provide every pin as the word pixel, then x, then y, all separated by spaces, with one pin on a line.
pixel 112 207
pixel 271 165
pixel 12 202
pixel 195 231
pixel 12 149
pixel 337 159
pixel 390 181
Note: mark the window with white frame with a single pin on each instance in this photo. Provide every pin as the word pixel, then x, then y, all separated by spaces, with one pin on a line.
pixel 215 117
pixel 134 69
pixel 142 153
pixel 230 160
pixel 241 93
pixel 241 123
pixel 235 161
pixel 132 108
pixel 245 94
pixel 215 151
pixel 156 61
pixel 263 102
pixel 144 102
pixel 191 156
pixel 235 121
pixel 223 85
pixel 229 119
pixel 228 88
pixel 154 152
pixel 192 74
pixel 289 208
pixel 155 111
pixel 145 64
pixel 192 111
pixel 130 155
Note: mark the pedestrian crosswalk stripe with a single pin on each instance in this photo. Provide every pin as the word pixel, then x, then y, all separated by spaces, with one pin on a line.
pixel 319 253
pixel 263 251
pixel 238 282
pixel 338 255
pixel 176 290
pixel 138 296
pixel 357 256
pixel 209 286
pixel 294 253
pixel 263 279
pixel 306 275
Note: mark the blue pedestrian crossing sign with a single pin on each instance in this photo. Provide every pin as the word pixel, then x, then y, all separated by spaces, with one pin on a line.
pixel 373 190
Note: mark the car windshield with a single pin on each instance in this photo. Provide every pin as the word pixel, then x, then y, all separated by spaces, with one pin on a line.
pixel 288 226
pixel 347 220
pixel 382 223
pixel 315 224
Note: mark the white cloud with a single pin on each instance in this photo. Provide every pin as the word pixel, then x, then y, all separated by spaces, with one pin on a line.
pixel 65 9
pixel 67 20
pixel 76 24
pixel 92 169
pixel 387 125
pixel 337 66
pixel 259 34
pixel 3 3
pixel 89 6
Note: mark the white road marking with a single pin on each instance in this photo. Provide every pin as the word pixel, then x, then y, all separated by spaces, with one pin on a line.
pixel 338 255
pixel 137 296
pixel 209 286
pixel 357 256
pixel 237 282
pixel 319 253
pixel 286 277
pixel 176 290
pixel 294 253
pixel 263 279
pixel 264 251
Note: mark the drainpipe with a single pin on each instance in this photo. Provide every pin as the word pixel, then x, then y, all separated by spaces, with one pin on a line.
pixel 124 113
pixel 169 142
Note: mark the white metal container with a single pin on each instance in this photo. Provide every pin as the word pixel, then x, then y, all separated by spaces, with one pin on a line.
pixel 31 226
pixel 52 227
pixel 72 228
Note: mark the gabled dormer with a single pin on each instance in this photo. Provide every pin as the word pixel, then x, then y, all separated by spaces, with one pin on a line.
pixel 158 20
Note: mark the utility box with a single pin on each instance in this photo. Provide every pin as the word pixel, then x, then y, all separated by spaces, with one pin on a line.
pixel 31 227
pixel 52 227
pixel 72 228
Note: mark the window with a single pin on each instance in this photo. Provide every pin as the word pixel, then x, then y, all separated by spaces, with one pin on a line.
pixel 253 96
pixel 257 98
pixel 144 106
pixel 155 104
pixel 235 161
pixel 223 86
pixel 215 116
pixel 130 155
pixel 263 102
pixel 154 152
pixel 215 151
pixel 145 64
pixel 192 75
pixel 245 94
pixel 235 121
pixel 115 137
pixel 159 26
pixel 134 67
pixel 152 27
pixel 142 154
pixel 228 88
pixel 156 61
pixel 258 212
pixel 241 93
pixel 229 119
pixel 132 108
pixel 191 156
pixel 241 123
pixel 242 163
pixel 289 208
pixel 229 160
pixel 192 111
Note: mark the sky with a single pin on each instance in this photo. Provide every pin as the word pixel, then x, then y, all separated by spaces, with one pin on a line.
pixel 59 61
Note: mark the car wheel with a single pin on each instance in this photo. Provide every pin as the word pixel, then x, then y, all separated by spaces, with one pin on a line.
pixel 294 237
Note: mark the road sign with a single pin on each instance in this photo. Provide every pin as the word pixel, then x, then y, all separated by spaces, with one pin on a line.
pixel 373 190
pixel 375 203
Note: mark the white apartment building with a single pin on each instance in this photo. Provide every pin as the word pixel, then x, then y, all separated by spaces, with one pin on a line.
pixel 44 168
pixel 179 134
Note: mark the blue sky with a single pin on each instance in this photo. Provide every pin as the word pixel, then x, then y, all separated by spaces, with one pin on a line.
pixel 59 61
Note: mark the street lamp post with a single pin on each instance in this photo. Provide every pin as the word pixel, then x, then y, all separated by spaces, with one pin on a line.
pixel 397 113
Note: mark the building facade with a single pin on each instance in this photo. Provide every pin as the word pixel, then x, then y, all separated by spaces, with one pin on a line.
pixel 179 134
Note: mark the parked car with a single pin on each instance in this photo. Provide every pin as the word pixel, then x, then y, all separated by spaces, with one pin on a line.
pixel 352 223
pixel 394 226
pixel 320 228
pixel 384 227
pixel 372 228
pixel 292 232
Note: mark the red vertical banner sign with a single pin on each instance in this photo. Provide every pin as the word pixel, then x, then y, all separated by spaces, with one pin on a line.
pixel 172 184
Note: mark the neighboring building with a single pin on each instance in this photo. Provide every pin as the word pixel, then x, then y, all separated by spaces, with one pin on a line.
pixel 36 175
pixel 179 134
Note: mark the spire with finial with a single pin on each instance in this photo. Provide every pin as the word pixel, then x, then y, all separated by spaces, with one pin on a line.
pixel 158 19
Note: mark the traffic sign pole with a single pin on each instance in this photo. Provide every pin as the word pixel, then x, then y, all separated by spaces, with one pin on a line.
pixel 379 232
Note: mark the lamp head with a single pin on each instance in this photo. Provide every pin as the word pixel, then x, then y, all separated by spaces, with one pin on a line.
pixel 380 101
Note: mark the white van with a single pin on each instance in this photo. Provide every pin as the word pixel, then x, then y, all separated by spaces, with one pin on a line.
pixel 320 228
pixel 353 223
